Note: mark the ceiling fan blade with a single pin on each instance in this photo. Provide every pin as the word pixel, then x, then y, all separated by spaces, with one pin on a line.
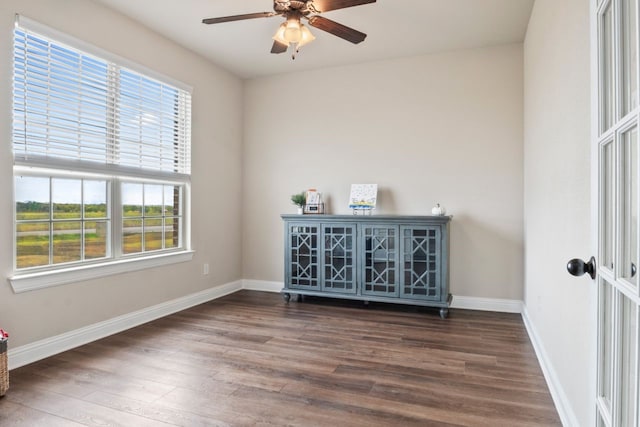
pixel 339 30
pixel 279 47
pixel 238 17
pixel 326 5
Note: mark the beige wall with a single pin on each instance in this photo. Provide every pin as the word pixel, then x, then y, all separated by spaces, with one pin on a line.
pixel 442 128
pixel 216 136
pixel 557 197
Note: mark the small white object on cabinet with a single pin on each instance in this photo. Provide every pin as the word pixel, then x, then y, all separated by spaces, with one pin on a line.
pixel 438 210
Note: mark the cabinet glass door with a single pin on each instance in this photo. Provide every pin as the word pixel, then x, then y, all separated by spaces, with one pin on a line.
pixel 380 260
pixel 420 262
pixel 338 257
pixel 304 257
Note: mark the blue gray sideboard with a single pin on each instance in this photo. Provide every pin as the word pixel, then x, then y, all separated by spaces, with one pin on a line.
pixel 385 258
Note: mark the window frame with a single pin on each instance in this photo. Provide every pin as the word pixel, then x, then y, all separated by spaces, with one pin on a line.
pixel 50 175
pixel 116 262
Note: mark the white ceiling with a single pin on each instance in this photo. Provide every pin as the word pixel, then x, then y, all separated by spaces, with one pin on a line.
pixel 395 28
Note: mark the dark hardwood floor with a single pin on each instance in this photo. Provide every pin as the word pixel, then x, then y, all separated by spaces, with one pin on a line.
pixel 250 359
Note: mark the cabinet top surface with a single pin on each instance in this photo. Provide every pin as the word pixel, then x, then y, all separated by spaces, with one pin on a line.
pixel 367 218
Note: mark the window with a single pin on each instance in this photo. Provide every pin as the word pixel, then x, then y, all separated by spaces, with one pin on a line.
pixel 101 157
pixel 151 217
pixel 60 220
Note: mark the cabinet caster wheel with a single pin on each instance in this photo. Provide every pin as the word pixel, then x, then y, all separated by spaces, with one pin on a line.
pixel 444 313
pixel 287 297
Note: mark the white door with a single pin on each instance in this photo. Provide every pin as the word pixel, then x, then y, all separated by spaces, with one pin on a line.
pixel 616 144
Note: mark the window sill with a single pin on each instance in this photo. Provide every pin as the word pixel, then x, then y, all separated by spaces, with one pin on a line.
pixel 45 279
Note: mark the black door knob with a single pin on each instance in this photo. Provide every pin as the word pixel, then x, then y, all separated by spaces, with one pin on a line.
pixel 577 267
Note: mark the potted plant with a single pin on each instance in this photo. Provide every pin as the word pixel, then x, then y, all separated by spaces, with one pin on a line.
pixel 299 200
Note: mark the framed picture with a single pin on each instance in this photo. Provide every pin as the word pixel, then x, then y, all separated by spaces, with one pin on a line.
pixel 313 204
pixel 363 196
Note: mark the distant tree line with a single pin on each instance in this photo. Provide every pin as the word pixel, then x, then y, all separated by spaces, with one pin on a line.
pixel 23 207
pixel 31 206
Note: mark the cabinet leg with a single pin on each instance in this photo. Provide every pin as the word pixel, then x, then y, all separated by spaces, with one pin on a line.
pixel 287 297
pixel 299 298
pixel 444 312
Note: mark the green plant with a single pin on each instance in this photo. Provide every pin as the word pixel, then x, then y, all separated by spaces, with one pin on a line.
pixel 299 199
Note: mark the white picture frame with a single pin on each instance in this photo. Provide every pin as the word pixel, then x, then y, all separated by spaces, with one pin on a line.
pixel 363 196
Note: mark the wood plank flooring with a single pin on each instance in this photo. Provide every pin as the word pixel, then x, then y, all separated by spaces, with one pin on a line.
pixel 251 359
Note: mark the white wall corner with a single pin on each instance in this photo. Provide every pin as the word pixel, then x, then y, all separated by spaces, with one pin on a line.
pixel 563 406
pixel 47 347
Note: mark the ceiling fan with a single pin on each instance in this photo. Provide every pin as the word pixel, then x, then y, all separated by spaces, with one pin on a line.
pixel 292 32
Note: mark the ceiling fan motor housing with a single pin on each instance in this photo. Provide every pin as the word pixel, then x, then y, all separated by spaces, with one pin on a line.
pixel 305 7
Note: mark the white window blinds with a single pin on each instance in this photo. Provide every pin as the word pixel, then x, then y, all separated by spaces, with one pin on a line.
pixel 74 108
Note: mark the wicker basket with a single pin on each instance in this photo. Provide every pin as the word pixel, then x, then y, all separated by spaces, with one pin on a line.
pixel 4 371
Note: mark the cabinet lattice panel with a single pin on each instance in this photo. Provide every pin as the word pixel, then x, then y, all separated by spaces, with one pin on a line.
pixel 339 265
pixel 420 262
pixel 304 257
pixel 380 261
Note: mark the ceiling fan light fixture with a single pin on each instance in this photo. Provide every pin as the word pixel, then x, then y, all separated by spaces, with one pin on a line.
pixel 298 37
pixel 293 30
pixel 306 38
pixel 279 35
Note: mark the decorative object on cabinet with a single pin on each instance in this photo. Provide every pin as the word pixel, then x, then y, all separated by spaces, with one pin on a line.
pixel 299 200
pixel 393 259
pixel 313 203
pixel 438 210
pixel 363 197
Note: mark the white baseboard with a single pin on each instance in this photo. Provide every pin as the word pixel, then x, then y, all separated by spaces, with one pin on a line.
pixel 47 347
pixel 487 304
pixel 468 303
pixel 565 412
pixel 262 285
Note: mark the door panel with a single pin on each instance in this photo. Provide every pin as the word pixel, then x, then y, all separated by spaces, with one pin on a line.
pixel 629 205
pixel 628 371
pixel 629 53
pixel 608 197
pixel 605 24
pixel 617 192
pixel 605 353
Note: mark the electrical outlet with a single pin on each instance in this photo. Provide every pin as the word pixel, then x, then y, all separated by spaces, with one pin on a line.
pixel 205 269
